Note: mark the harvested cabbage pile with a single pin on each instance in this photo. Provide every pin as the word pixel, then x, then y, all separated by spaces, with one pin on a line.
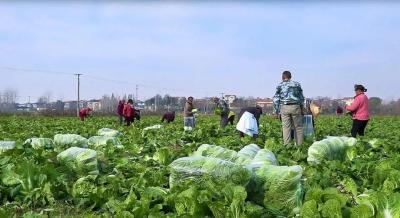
pixel 215 151
pixel 331 148
pixel 195 168
pixel 99 141
pixel 6 145
pixel 278 188
pixel 40 143
pixel 81 160
pixel 70 140
pixel 108 132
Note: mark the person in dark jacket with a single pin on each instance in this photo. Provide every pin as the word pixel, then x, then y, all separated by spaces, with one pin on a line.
pixel 339 111
pixel 120 111
pixel 256 111
pixel 222 109
pixel 169 117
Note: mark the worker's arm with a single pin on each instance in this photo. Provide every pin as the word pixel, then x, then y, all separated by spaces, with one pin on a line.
pixel 354 106
pixel 277 100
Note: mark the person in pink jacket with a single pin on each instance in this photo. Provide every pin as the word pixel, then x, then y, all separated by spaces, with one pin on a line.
pixel 359 110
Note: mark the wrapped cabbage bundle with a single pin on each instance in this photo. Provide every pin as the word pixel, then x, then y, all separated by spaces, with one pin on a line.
pixel 99 141
pixel 278 188
pixel 81 160
pixel 40 143
pixel 247 154
pixel 70 140
pixel 6 145
pixel 108 132
pixel 215 151
pixel 331 148
pixel 152 127
pixel 264 157
pixel 195 168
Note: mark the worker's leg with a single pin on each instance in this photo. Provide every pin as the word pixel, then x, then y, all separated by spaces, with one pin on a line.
pixel 231 119
pixel 354 128
pixel 363 125
pixel 224 121
pixel 286 124
pixel 298 123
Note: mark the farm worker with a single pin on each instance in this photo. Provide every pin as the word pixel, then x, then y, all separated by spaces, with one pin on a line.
pixel 289 103
pixel 360 111
pixel 84 113
pixel 339 110
pixel 231 117
pixel 256 112
pixel 189 121
pixel 169 117
pixel 222 109
pixel 137 115
pixel 129 112
pixel 120 111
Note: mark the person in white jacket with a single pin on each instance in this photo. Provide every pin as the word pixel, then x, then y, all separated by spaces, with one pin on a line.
pixel 249 121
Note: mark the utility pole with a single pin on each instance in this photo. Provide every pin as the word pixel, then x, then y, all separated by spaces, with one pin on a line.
pixel 78 102
pixel 155 103
pixel 222 95
pixel 29 99
pixel 136 95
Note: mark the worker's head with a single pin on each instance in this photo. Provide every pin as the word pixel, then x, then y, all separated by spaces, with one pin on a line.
pixel 359 89
pixel 130 101
pixel 190 99
pixel 286 75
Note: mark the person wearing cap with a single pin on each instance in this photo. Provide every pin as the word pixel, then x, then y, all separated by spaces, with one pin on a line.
pixel 188 114
pixel 222 109
pixel 289 104
pixel 168 117
pixel 84 113
pixel 129 112
pixel 359 109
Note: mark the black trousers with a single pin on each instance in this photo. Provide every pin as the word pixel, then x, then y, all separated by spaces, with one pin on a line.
pixel 358 127
pixel 224 121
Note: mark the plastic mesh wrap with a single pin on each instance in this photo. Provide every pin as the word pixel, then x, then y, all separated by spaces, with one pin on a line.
pixel 331 148
pixel 195 168
pixel 108 132
pixel 247 154
pixel 99 141
pixel 81 160
pixel 215 151
pixel 40 143
pixel 6 145
pixel 70 140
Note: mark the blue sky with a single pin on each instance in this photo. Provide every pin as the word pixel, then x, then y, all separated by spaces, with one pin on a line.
pixel 200 49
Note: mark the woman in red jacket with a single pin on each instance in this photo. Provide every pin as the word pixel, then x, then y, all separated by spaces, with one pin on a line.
pixel 84 113
pixel 360 111
pixel 129 112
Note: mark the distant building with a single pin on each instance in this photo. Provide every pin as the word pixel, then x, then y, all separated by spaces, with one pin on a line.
pixel 95 105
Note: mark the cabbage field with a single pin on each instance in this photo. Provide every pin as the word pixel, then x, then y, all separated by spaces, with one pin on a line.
pixel 61 167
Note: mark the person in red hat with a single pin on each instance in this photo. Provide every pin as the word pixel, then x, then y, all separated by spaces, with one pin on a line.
pixel 84 113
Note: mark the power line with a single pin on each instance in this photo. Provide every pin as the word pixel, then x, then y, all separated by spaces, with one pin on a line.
pixel 90 76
